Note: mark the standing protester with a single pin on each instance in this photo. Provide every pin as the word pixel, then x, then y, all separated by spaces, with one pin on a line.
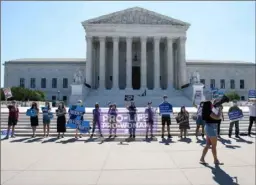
pixel 79 103
pixel 46 118
pixel 13 118
pixel 232 123
pixel 96 119
pixel 61 119
pixel 132 119
pixel 34 119
pixel 252 114
pixel 183 121
pixel 112 113
pixel 149 119
pixel 219 121
pixel 210 116
pixel 166 118
pixel 199 120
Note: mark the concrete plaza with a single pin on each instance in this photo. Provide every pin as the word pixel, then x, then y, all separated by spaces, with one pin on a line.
pixel 38 161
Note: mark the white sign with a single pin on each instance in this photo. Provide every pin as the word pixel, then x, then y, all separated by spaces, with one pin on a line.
pixel 7 92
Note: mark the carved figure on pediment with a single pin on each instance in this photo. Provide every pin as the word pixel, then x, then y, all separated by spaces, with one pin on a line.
pixel 135 17
pixel 78 77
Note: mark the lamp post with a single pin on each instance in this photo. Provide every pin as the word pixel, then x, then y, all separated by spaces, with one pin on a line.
pixel 58 95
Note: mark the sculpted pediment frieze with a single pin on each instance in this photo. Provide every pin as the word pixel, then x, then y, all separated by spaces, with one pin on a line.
pixel 136 16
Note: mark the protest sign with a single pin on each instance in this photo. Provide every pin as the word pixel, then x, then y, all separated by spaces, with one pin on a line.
pixel 31 112
pixel 46 112
pixel 76 119
pixel 252 94
pixel 129 98
pixel 7 93
pixel 235 115
pixel 165 108
pixel 4 134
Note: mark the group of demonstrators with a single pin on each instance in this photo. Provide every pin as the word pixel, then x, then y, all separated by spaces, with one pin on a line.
pixel 165 111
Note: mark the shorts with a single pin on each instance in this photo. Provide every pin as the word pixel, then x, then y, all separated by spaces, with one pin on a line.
pixel 200 121
pixel 46 121
pixel 167 120
pixel 12 121
pixel 210 129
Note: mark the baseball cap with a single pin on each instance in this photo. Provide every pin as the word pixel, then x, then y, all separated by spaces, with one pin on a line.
pixel 164 96
pixel 79 101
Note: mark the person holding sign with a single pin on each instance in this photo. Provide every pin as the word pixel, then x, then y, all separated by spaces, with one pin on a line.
pixel 235 113
pixel 12 119
pixel 252 114
pixel 34 118
pixel 165 112
pixel 46 119
pixel 61 119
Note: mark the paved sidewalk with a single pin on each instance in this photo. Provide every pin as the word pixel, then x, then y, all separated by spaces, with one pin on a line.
pixel 26 161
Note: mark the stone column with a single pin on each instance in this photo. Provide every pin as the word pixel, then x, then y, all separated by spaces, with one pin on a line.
pixel 182 62
pixel 88 67
pixel 156 63
pixel 115 63
pixel 170 71
pixel 102 67
pixel 143 67
pixel 128 62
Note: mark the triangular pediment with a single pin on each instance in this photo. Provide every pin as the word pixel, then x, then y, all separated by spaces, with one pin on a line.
pixel 136 15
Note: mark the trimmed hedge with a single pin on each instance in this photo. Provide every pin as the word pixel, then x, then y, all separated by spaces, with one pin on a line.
pixel 24 94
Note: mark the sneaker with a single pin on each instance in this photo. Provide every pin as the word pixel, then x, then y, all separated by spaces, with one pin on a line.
pixel 169 136
pixel 202 135
pixel 146 137
pixel 109 136
pixel 115 135
pixel 133 136
pixel 7 137
pixel 80 136
pixel 237 136
pixel 91 136
pixel 130 136
pixel 13 136
pixel 229 136
pixel 61 136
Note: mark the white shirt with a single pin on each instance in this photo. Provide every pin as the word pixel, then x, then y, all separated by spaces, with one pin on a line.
pixel 252 110
pixel 199 111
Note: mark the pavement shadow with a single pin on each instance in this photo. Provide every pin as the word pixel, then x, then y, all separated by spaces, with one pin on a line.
pixel 224 141
pixel 166 141
pixel 51 140
pixel 71 140
pixel 34 140
pixel 93 140
pixel 185 140
pixel 232 146
pixel 20 140
pixel 221 177
pixel 202 142
pixel 242 140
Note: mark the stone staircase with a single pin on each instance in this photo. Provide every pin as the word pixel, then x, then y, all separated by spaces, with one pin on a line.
pixel 175 97
pixel 23 127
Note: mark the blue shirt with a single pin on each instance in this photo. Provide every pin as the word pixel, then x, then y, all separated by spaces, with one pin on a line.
pixel 165 109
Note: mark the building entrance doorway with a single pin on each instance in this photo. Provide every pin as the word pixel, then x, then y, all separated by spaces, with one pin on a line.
pixel 136 77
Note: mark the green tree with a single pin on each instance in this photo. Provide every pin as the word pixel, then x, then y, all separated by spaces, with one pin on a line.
pixel 24 94
pixel 233 96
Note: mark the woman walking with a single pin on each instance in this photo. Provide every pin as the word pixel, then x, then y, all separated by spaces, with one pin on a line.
pixel 46 118
pixel 34 119
pixel 61 120
pixel 112 112
pixel 210 115
pixel 183 121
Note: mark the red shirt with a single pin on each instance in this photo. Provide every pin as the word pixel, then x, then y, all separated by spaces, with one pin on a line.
pixel 13 112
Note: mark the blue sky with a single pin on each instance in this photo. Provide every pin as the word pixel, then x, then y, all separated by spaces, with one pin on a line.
pixel 219 30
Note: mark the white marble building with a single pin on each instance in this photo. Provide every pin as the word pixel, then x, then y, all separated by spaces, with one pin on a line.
pixel 129 50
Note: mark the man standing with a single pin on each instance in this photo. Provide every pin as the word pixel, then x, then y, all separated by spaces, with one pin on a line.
pixel 13 118
pixel 236 122
pixel 165 112
pixel 252 114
